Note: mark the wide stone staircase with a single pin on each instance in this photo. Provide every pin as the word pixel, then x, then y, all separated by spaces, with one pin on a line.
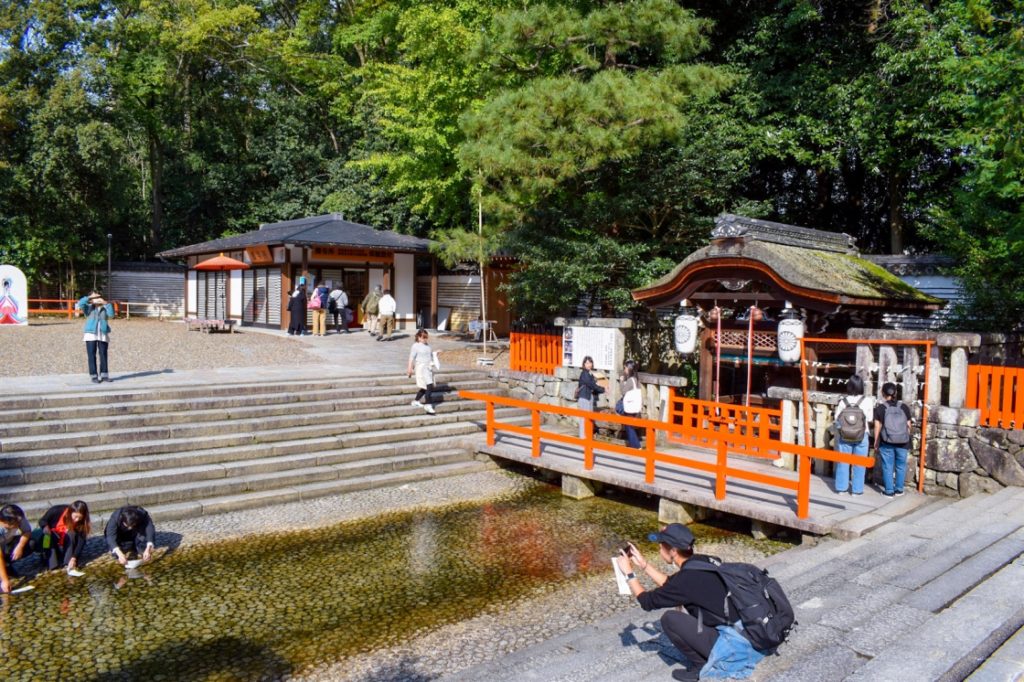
pixel 188 450
pixel 935 595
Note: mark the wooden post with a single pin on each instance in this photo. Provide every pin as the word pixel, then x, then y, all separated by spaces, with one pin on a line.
pixel 722 462
pixel 433 292
pixel 803 493
pixel 588 443
pixel 652 439
pixel 535 415
pixel 490 424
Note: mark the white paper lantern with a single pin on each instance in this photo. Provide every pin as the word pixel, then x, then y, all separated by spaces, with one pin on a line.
pixel 791 330
pixel 686 330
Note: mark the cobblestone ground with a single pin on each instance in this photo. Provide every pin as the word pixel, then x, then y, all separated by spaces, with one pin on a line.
pixel 534 618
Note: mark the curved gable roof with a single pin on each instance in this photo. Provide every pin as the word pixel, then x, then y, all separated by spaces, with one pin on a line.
pixel 823 272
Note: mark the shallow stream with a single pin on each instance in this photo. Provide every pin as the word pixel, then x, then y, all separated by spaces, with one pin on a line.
pixel 261 608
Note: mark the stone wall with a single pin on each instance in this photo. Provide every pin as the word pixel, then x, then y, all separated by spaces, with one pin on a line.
pixel 961 457
pixel 559 389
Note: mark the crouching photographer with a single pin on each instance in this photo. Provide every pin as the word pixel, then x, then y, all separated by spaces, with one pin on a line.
pixel 705 621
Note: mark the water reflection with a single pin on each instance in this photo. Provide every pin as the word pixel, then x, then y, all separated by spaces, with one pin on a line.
pixel 259 607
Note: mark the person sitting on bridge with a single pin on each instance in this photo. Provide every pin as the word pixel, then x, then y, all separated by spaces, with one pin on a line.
pixel 130 531
pixel 701 594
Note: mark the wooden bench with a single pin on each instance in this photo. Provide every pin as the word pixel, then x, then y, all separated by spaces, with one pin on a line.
pixel 203 325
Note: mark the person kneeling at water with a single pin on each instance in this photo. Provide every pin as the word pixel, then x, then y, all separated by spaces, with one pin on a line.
pixel 61 535
pixel 130 531
pixel 697 628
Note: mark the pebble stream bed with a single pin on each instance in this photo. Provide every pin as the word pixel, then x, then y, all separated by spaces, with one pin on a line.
pixel 283 605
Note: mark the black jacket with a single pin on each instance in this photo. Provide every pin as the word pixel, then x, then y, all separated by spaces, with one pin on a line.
pixel 693 590
pixel 588 386
pixel 116 535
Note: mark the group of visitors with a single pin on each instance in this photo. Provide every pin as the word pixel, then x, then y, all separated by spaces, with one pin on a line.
pixel 886 424
pixel 61 534
pixel 377 308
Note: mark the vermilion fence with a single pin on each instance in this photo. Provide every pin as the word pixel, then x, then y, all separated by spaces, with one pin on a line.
pixel 997 393
pixel 721 442
pixel 59 306
pixel 703 420
pixel 535 350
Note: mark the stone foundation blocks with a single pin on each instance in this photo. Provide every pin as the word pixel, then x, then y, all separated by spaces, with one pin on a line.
pixel 671 511
pixel 579 488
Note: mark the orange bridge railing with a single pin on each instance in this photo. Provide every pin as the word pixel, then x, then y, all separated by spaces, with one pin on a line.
pixel 762 426
pixel 998 392
pixel 722 442
pixel 537 351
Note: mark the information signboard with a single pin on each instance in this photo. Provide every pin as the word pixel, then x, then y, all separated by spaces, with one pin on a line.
pixel 597 342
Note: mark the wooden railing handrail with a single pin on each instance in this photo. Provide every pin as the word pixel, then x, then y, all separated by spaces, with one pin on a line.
pixel 721 442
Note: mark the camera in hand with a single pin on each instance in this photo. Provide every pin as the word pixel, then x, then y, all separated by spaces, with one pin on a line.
pixel 626 549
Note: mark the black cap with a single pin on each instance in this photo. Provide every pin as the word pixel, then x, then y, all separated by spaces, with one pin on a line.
pixel 674 535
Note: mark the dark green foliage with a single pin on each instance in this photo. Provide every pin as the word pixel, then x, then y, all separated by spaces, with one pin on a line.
pixel 601 138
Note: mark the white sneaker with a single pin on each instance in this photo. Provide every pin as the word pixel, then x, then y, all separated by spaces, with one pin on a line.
pixel 429 409
pixel 416 403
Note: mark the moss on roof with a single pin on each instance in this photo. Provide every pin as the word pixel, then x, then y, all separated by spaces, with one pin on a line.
pixel 843 274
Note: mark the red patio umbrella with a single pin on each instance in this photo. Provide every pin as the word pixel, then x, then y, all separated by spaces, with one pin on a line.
pixel 221 263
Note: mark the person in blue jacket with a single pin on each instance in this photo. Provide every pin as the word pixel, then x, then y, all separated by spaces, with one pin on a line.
pixel 97 332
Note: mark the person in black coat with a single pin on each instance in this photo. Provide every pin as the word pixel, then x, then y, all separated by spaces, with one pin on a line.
pixel 130 530
pixel 586 398
pixel 297 313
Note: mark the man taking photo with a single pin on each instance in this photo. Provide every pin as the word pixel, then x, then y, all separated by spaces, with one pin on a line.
pixel 700 596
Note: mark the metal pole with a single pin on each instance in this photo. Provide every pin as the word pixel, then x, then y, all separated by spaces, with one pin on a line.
pixel 110 238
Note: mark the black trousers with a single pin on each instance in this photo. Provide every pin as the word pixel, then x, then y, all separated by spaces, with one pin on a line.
pixel 132 544
pixel 423 395
pixel 681 629
pixel 55 556
pixel 91 349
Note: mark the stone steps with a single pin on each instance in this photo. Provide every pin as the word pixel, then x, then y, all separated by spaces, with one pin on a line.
pixel 209 410
pixel 184 436
pixel 223 390
pixel 933 595
pixel 194 449
pixel 105 475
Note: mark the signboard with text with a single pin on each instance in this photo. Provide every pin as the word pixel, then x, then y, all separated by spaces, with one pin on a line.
pixel 597 342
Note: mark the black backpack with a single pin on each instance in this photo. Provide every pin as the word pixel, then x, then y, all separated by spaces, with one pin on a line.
pixel 756 600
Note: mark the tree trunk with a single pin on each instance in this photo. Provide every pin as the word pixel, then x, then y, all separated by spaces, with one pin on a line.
pixel 156 184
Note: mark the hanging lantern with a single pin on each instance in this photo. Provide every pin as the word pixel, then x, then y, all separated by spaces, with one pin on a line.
pixel 686 329
pixel 791 330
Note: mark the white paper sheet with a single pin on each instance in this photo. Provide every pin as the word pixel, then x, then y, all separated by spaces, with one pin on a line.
pixel 620 578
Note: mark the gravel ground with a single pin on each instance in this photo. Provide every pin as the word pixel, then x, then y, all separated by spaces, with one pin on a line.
pixel 140 345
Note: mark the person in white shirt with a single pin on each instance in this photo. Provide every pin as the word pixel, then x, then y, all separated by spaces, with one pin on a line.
pixel 386 309
pixel 337 305
pixel 848 426
pixel 421 361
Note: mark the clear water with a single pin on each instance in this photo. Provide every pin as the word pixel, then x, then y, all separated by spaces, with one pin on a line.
pixel 263 607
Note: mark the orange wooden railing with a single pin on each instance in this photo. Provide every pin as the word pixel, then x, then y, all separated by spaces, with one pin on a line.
pixel 66 306
pixel 722 442
pixel 998 392
pixel 761 425
pixel 538 351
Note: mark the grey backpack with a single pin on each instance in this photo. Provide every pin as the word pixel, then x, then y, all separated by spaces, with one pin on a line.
pixel 894 426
